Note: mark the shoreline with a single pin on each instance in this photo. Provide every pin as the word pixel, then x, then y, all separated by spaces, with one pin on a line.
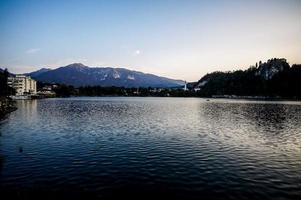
pixel 7 106
pixel 232 97
pixel 255 98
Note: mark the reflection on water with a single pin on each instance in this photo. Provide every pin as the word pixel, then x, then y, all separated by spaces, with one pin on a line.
pixel 260 122
pixel 149 147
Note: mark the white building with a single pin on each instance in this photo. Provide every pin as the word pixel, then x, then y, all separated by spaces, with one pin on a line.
pixel 23 85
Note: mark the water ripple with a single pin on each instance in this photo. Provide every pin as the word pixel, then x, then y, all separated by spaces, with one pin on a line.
pixel 178 147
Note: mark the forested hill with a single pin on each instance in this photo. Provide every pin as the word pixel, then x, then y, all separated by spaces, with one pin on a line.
pixel 274 78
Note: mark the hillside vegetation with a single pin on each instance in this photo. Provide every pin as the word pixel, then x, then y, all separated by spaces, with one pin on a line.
pixel 274 78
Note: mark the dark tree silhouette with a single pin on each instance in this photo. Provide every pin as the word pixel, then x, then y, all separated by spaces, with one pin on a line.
pixel 272 79
pixel 4 89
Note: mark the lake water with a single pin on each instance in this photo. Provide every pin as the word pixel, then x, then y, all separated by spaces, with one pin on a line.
pixel 185 148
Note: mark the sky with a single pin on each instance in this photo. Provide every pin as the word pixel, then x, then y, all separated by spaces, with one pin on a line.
pixel 182 39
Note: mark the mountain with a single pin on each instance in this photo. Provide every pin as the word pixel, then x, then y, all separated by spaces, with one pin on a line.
pixel 38 72
pixel 77 75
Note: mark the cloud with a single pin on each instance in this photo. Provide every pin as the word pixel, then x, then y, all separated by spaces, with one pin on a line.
pixel 32 51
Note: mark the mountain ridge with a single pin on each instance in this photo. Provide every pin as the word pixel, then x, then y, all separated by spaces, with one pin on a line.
pixel 78 74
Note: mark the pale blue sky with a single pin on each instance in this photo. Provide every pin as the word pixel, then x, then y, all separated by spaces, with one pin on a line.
pixel 178 39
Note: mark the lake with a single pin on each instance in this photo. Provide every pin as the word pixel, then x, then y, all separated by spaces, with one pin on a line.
pixel 183 148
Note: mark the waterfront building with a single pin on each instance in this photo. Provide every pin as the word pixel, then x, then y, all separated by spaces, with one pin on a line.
pixel 24 85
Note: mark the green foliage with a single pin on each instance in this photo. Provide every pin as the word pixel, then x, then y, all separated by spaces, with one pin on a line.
pixel 101 91
pixel 285 84
pixel 122 91
pixel 5 90
pixel 65 91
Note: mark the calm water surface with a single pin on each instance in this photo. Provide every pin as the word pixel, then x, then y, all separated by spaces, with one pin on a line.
pixel 149 147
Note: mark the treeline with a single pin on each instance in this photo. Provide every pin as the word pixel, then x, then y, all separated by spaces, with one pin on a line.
pixel 5 90
pixel 6 104
pixel 65 91
pixel 284 84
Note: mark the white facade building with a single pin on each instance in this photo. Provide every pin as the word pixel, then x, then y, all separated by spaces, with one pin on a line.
pixel 23 85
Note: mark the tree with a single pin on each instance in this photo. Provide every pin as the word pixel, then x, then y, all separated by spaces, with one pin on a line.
pixel 4 89
pixel 64 91
pixel 283 82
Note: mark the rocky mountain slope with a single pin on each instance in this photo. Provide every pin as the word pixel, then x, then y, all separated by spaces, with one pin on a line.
pixel 78 74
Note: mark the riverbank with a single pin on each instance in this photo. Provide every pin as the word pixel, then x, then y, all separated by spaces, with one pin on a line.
pixel 7 105
pixel 262 98
pixel 255 98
